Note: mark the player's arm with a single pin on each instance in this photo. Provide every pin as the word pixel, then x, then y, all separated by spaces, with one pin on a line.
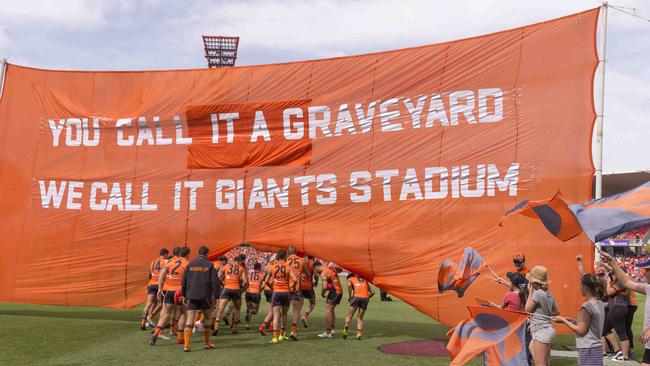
pixel 622 276
pixel 244 285
pixel 323 288
pixel 266 281
pixel 371 292
pixel 184 283
pixel 314 280
pixel 161 280
pixel 221 274
pixel 295 278
pixel 350 287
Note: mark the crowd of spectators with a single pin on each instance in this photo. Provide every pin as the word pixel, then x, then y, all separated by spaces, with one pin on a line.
pixel 629 264
pixel 252 255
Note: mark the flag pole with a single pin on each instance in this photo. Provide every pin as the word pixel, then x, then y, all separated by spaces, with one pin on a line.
pixel 601 101
pixel 3 70
pixel 600 112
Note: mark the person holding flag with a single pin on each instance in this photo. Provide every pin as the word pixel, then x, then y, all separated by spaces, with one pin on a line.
pixel 642 288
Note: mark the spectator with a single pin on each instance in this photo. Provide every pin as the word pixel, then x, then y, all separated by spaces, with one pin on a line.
pixel 589 325
pixel 519 260
pixel 542 307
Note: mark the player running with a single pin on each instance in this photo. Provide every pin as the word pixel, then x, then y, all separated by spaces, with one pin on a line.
pixel 268 296
pixel 297 267
pixel 331 286
pixel 234 279
pixel 152 288
pixel 309 281
pixel 279 279
pixel 198 290
pixel 359 293
pixel 253 290
pixel 169 284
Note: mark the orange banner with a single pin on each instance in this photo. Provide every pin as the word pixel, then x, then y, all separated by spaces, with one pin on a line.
pixel 384 163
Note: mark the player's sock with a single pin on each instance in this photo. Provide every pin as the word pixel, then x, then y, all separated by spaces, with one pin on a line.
pixel 187 333
pixel 294 328
pixel 174 329
pixel 206 336
pixel 282 332
pixel 275 334
pixel 180 338
pixel 329 330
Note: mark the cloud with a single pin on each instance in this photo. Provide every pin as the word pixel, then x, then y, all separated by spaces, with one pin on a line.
pixel 66 13
pixel 166 34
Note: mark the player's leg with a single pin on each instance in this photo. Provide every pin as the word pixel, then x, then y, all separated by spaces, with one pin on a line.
pixel 269 313
pixel 296 307
pixel 151 298
pixel 236 314
pixel 310 310
pixel 220 309
pixel 348 318
pixel 362 312
pixel 181 324
pixel 206 325
pixel 189 323
pixel 227 314
pixel 162 323
pixel 156 308
pixel 277 313
pixel 285 315
pixel 329 309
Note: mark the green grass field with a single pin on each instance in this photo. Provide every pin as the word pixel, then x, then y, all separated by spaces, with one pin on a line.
pixel 48 335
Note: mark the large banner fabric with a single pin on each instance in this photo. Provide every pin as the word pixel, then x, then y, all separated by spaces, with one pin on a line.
pixel 384 163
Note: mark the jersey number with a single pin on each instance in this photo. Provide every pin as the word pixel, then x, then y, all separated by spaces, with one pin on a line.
pixel 233 269
pixel 178 264
pixel 155 267
pixel 295 262
pixel 280 272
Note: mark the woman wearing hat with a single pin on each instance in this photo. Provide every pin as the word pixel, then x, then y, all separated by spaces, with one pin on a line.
pixel 541 306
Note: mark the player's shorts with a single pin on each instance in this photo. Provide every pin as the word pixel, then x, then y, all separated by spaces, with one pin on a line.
pixel 268 295
pixel 359 302
pixel 230 294
pixel 308 294
pixel 254 298
pixel 333 298
pixel 169 297
pixel 280 299
pixel 203 304
pixel 152 290
pixel 295 295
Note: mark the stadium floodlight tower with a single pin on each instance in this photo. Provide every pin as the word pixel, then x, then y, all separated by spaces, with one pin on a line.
pixel 220 51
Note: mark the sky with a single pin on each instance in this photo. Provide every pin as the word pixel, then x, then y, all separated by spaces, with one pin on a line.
pixel 165 34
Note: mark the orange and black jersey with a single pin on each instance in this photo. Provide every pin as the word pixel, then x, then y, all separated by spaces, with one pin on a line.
pixel 154 269
pixel 255 279
pixel 308 276
pixel 268 269
pixel 279 276
pixel 232 276
pixel 297 266
pixel 359 287
pixel 175 271
pixel 333 278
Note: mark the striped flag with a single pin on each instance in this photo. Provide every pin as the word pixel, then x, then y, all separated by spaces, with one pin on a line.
pixel 500 333
pixel 598 219
pixel 459 277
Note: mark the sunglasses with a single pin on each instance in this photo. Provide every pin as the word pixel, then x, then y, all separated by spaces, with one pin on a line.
pixel 517 261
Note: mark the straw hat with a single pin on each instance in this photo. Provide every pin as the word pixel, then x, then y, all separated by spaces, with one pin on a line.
pixel 538 274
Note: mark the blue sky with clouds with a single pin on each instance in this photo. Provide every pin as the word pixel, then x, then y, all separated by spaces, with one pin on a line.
pixel 149 34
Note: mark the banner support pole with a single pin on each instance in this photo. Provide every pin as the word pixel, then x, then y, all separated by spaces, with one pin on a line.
pixel 601 102
pixel 600 113
pixel 3 70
